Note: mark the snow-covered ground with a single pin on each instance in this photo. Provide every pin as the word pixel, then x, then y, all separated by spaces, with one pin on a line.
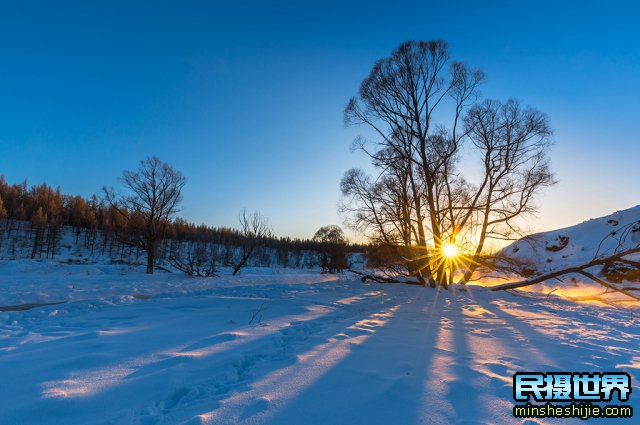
pixel 284 347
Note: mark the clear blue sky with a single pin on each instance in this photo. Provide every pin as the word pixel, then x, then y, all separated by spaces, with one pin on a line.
pixel 246 99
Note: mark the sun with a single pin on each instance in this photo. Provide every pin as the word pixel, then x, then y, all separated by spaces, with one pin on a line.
pixel 450 251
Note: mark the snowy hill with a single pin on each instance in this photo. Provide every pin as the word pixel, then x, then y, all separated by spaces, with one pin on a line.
pixel 552 252
pixel 579 244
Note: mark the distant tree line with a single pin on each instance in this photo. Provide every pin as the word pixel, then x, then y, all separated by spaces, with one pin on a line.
pixel 109 227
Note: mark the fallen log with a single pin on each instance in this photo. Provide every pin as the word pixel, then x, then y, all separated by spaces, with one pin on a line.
pixel 23 307
pixel 582 269
pixel 382 279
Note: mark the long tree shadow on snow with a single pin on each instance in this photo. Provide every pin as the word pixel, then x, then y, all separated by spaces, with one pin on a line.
pixel 374 375
pixel 466 365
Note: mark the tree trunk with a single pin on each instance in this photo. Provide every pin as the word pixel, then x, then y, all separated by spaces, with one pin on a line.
pixel 151 253
pixel 246 253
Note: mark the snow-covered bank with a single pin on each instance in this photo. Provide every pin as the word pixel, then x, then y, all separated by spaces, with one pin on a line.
pixel 283 347
pixel 581 243
pixel 597 240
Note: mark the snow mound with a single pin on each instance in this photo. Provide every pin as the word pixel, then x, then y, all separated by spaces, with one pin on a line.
pixel 579 244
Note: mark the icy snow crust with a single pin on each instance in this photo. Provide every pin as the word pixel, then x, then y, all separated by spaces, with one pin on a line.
pixel 283 347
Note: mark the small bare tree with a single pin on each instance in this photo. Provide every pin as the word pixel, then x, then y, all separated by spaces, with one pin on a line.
pixel 152 198
pixel 254 228
pixel 194 264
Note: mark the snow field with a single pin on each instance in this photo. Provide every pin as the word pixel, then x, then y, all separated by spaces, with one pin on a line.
pixel 284 347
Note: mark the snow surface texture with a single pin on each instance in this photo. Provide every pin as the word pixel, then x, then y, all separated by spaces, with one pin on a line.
pixel 284 347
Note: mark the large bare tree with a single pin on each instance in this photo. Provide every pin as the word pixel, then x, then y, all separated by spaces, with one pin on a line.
pixel 152 196
pixel 423 111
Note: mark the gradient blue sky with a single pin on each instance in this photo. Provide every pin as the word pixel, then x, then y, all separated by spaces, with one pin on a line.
pixel 246 98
